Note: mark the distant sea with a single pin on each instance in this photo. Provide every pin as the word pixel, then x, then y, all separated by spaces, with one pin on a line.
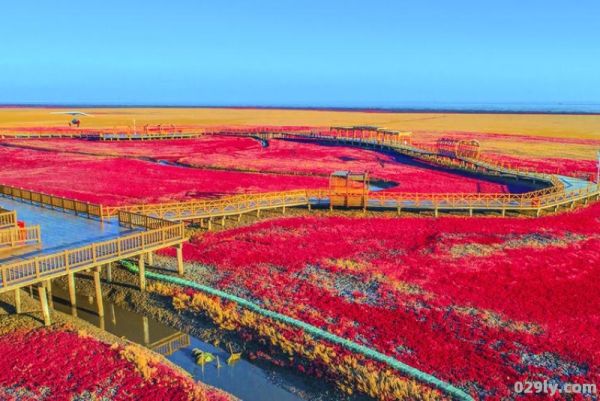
pixel 413 107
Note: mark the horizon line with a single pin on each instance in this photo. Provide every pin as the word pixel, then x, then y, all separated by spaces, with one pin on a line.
pixel 486 108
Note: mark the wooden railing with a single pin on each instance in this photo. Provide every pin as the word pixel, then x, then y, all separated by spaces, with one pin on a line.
pixel 136 220
pixel 19 236
pixel 43 267
pixel 52 201
pixel 227 205
pixel 8 219
pixel 119 136
pixel 540 200
pixel 169 345
pixel 238 204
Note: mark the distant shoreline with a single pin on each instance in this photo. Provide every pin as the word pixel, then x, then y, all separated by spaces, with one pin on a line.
pixel 417 110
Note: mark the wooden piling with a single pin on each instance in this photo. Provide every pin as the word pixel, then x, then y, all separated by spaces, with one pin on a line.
pixel 71 284
pixel 180 259
pixel 99 302
pixel 18 300
pixel 48 286
pixel 44 303
pixel 150 256
pixel 146 328
pixel 142 269
pixel 108 268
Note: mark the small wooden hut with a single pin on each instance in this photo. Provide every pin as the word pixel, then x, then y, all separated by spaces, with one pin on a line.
pixel 348 189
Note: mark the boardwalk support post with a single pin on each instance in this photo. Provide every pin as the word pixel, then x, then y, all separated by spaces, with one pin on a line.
pixel 108 269
pixel 180 259
pixel 142 269
pixel 150 258
pixel 71 283
pixel 44 303
pixel 98 289
pixel 48 285
pixel 146 325
pixel 18 300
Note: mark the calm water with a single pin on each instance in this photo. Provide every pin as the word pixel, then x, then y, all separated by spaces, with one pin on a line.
pixel 243 379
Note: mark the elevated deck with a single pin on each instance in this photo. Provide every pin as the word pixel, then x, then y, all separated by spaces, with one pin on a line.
pixel 60 230
pixel 74 242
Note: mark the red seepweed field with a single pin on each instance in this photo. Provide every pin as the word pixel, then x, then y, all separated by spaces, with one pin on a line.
pixel 480 302
pixel 66 365
pixel 220 166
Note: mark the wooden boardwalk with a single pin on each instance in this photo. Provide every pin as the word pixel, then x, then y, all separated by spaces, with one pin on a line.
pixel 156 234
pixel 552 197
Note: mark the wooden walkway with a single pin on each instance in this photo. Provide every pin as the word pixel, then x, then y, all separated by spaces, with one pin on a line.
pixel 157 234
pixel 552 197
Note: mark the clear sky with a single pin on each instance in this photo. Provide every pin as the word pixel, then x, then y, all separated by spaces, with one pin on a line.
pixel 344 53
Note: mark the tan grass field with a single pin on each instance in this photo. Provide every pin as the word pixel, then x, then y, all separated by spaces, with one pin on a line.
pixel 425 125
pixel 578 126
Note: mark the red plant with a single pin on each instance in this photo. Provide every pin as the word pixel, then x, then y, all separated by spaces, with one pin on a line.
pixel 114 181
pixel 281 157
pixel 60 365
pixel 481 302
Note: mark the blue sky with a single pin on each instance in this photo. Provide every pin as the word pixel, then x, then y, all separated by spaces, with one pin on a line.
pixel 299 53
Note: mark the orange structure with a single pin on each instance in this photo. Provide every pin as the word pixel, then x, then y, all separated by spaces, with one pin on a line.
pixel 348 189
pixel 454 147
pixel 371 133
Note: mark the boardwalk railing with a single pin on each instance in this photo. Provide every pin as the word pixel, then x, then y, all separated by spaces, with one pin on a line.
pixel 43 267
pixel 171 344
pixel 147 136
pixel 545 198
pixel 51 201
pixel 8 219
pixel 136 220
pixel 19 236
pixel 230 205
pixel 541 200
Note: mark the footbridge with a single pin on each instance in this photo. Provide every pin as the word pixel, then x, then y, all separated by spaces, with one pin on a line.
pixel 558 191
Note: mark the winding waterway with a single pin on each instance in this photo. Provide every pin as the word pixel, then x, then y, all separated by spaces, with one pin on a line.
pixel 244 379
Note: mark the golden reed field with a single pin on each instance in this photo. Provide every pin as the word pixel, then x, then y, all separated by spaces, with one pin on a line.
pixel 580 131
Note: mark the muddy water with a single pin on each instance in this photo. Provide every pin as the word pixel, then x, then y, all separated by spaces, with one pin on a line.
pixel 244 379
